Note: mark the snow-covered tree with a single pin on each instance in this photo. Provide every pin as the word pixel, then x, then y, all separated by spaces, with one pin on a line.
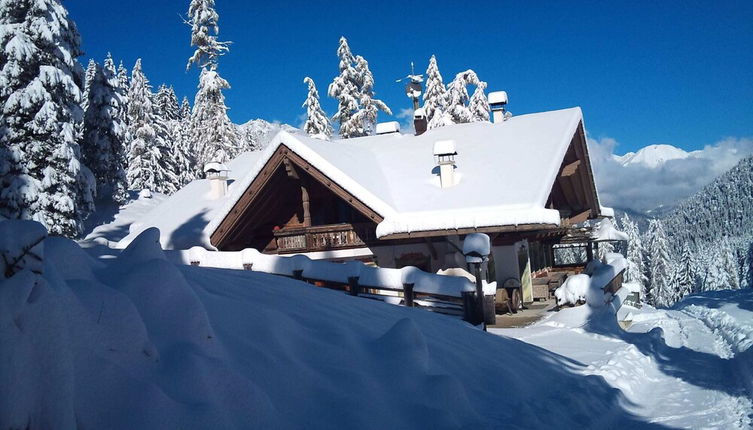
pixel 365 118
pixel 105 133
pixel 91 71
pixel 185 109
pixel 149 166
pixel 457 96
pixel 215 138
pixel 40 94
pixel 435 97
pixel 317 124
pixel 635 271
pixel 660 291
pixel 479 104
pixel 123 78
pixel 685 275
pixel 204 35
pixel 345 88
pixel 166 103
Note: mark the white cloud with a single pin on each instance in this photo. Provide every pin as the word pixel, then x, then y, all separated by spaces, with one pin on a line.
pixel 643 188
pixel 405 116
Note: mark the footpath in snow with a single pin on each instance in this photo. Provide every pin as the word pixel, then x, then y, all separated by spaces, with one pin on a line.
pixel 687 367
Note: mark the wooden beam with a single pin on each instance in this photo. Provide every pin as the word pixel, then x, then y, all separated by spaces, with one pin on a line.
pixel 463 231
pixel 570 169
pixel 579 218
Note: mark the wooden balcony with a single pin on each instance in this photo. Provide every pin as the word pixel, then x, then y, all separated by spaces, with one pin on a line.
pixel 323 237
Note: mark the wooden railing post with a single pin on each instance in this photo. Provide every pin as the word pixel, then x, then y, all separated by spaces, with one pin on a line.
pixel 408 294
pixel 298 274
pixel 355 289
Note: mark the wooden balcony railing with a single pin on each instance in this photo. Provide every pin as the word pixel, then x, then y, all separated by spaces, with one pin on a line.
pixel 324 237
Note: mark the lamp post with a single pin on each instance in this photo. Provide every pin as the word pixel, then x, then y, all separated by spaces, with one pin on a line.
pixel 476 248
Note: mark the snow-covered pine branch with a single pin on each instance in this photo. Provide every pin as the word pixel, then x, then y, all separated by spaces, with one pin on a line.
pixel 317 123
pixel 660 291
pixel 204 33
pixel 366 116
pixel 41 177
pixel 215 138
pixel 457 96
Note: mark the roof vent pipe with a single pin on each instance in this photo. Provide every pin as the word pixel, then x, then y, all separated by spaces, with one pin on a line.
pixel 217 173
pixel 444 154
pixel 497 102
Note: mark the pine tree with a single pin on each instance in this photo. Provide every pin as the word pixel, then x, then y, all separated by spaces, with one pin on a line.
pixel 457 96
pixel 215 138
pixel 204 35
pixel 365 118
pixel 123 78
pixel 149 166
pixel 167 103
pixel 685 278
pixel 345 88
pixel 91 71
pixel 185 109
pixel 479 104
pixel 105 133
pixel 435 97
pixel 728 264
pixel 635 270
pixel 40 92
pixel 660 291
pixel 317 124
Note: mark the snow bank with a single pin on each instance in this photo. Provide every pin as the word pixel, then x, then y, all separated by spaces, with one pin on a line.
pixel 395 279
pixel 138 342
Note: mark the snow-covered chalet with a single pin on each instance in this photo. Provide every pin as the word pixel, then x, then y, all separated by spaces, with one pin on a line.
pixel 397 199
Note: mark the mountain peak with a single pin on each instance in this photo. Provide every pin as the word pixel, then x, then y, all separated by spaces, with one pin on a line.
pixel 653 156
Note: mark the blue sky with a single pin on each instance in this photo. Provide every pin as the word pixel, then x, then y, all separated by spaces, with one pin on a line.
pixel 643 72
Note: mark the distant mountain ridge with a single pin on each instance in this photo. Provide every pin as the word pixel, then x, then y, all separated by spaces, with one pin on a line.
pixel 654 156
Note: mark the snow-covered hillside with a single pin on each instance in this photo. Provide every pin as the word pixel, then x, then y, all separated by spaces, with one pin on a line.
pixel 653 156
pixel 137 342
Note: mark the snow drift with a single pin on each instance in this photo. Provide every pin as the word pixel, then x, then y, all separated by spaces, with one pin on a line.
pixel 138 342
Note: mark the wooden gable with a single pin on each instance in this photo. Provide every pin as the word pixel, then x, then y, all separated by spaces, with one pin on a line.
pixel 574 191
pixel 280 197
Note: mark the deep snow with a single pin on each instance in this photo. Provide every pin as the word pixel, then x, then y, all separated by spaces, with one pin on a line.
pixel 138 342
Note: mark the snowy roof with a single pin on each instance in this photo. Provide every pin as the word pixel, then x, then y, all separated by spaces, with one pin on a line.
pixel 504 173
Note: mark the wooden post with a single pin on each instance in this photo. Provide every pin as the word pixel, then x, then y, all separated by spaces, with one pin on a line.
pixel 490 314
pixel 248 266
pixel 469 306
pixel 298 274
pixel 408 295
pixel 355 289
pixel 194 263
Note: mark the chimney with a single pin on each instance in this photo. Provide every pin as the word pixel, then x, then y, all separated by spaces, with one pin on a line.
pixel 419 121
pixel 497 102
pixel 388 127
pixel 444 154
pixel 217 173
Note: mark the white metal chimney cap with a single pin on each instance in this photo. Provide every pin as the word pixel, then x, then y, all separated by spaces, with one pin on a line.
pixel 444 147
pixel 214 166
pixel 388 127
pixel 497 97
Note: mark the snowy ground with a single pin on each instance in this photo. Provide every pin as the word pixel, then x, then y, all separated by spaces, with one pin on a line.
pixel 138 342
pixel 688 367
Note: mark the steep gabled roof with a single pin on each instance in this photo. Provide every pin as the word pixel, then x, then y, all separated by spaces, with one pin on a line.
pixel 505 173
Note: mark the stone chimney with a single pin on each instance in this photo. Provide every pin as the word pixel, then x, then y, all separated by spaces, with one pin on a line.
pixel 444 154
pixel 217 173
pixel 497 102
pixel 419 121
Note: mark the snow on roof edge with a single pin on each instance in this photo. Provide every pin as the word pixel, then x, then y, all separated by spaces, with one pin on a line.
pixel 564 145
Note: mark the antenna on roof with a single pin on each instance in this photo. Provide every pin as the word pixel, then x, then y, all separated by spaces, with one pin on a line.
pixel 413 88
